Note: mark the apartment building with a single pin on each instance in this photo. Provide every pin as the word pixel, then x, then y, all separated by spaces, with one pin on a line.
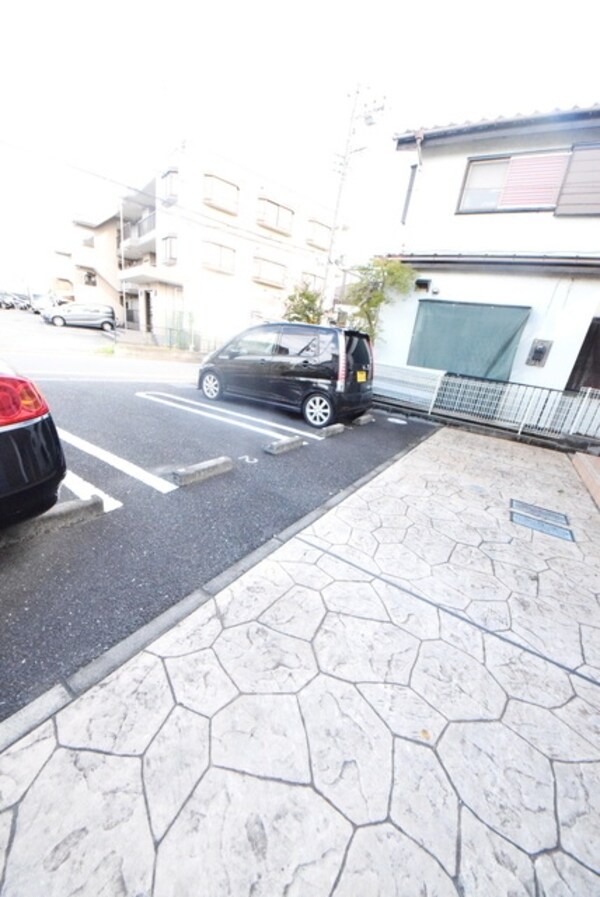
pixel 88 269
pixel 208 247
pixel 501 221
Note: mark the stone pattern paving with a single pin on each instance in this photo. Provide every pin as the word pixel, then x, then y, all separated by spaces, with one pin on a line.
pixel 402 700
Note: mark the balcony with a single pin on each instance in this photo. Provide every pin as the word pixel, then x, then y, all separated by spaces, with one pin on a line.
pixel 139 237
pixel 144 271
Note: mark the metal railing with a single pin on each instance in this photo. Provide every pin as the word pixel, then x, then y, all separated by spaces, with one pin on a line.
pixel 147 224
pixel 180 338
pixel 513 406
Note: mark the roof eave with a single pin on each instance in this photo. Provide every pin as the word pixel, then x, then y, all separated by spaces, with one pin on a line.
pixel 451 133
pixel 538 263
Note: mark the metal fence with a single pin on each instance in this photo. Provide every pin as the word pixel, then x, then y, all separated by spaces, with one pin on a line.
pixel 178 338
pixel 514 406
pixel 167 338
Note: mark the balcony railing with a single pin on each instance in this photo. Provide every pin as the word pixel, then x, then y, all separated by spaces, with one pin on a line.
pixel 133 230
pixel 147 224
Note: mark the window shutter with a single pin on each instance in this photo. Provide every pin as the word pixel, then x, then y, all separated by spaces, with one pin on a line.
pixel 580 194
pixel 533 181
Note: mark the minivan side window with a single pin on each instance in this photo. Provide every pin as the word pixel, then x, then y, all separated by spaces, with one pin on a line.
pixel 257 342
pixel 302 343
pixel 328 345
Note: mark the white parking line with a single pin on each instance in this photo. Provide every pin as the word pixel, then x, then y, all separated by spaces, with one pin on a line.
pixel 82 489
pixel 217 414
pixel 132 470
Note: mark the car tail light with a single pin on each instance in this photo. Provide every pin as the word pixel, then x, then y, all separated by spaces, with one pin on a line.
pixel 343 364
pixel 19 401
pixel 372 358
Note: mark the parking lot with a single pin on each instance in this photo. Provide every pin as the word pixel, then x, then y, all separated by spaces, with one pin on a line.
pixel 68 594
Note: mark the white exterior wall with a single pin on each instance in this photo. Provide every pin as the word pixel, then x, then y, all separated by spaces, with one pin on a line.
pixel 561 311
pixel 101 258
pixel 562 306
pixel 432 223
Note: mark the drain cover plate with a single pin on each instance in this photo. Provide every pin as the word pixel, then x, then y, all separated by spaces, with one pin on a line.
pixel 552 523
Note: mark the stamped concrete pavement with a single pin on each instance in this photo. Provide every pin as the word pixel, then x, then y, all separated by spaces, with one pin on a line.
pixel 404 699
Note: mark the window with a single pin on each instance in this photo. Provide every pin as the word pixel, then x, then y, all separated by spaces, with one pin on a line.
pixel 319 235
pixel 274 216
pixel 269 272
pixel 218 258
pixel 169 184
pixel 221 194
pixel 510 183
pixel 580 194
pixel 169 247
pixel 89 278
pixel 259 342
pixel 298 342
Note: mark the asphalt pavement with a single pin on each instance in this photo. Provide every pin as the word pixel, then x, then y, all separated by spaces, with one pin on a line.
pixel 67 595
pixel 403 697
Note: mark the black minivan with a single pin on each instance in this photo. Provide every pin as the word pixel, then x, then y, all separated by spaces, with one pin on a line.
pixel 326 373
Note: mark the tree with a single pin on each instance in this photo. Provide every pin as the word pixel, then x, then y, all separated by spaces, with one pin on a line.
pixel 304 305
pixel 379 284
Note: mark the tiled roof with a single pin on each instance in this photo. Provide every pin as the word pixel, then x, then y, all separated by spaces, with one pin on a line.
pixel 519 120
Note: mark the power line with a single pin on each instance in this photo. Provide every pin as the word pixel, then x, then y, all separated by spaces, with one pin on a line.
pixel 181 212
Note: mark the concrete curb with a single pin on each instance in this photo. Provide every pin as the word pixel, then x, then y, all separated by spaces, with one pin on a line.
pixel 63 514
pixel 287 444
pixel 333 430
pixel 363 420
pixel 195 473
pixel 33 714
pixel 128 647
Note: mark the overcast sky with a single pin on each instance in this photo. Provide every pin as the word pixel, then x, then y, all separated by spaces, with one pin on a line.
pixel 112 86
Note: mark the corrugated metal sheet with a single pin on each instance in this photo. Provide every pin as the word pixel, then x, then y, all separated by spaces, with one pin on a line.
pixel 580 194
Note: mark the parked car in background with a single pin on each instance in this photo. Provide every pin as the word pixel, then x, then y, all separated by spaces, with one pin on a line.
pixel 7 300
pixel 326 373
pixel 80 315
pixel 32 463
pixel 21 301
pixel 40 303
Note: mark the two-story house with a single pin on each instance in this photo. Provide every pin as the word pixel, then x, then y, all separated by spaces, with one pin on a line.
pixel 208 247
pixel 501 222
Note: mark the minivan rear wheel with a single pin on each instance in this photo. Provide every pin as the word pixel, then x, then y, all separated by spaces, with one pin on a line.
pixel 317 410
pixel 58 322
pixel 210 384
pixel 106 325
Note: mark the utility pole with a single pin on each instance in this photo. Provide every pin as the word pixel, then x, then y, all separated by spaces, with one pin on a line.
pixel 364 111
